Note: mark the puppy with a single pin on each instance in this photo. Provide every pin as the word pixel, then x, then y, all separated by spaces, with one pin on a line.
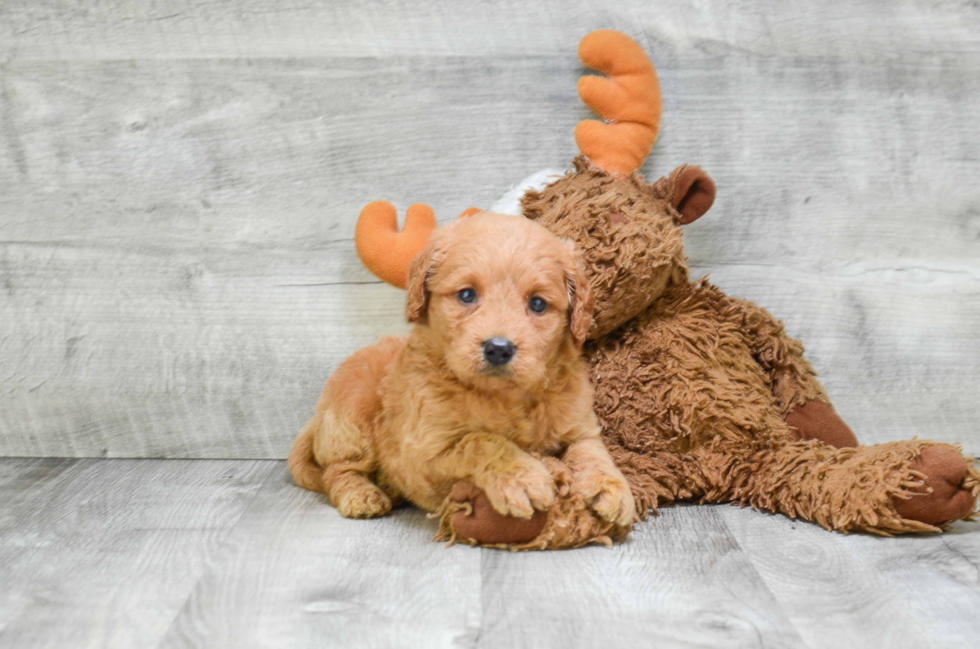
pixel 489 375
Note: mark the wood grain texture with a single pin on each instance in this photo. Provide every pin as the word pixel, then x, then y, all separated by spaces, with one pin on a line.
pixel 178 553
pixel 858 590
pixel 680 579
pixel 179 183
pixel 168 29
pixel 297 574
pixel 104 553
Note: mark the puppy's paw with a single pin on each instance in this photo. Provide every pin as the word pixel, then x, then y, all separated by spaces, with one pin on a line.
pixel 520 490
pixel 363 501
pixel 615 504
pixel 609 496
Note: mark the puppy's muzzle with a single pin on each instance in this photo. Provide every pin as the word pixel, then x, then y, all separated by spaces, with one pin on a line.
pixel 498 351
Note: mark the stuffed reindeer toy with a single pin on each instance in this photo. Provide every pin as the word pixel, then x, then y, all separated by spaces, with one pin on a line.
pixel 701 396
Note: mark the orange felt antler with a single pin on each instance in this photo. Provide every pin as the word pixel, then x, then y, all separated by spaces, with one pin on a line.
pixel 627 99
pixel 384 250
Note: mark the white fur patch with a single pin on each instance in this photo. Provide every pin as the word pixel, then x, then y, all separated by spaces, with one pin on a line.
pixel 510 202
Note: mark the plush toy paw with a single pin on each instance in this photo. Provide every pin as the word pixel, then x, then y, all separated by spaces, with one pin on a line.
pixel 468 516
pixel 483 524
pixel 521 490
pixel 949 491
pixel 608 495
pixel 818 420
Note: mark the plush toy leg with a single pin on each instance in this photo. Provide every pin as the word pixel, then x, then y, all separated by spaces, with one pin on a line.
pixel 467 516
pixel 942 498
pixel 899 487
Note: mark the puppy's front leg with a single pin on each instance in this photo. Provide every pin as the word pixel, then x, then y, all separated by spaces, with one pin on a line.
pixel 515 483
pixel 599 481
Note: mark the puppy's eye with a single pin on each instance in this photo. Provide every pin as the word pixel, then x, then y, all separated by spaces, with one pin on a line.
pixel 537 304
pixel 466 296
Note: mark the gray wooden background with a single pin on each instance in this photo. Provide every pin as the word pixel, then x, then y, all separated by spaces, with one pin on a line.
pixel 179 182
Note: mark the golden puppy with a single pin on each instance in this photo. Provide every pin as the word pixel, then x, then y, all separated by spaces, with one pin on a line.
pixel 490 373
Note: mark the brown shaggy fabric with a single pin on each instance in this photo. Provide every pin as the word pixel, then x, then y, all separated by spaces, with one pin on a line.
pixel 840 489
pixel 693 396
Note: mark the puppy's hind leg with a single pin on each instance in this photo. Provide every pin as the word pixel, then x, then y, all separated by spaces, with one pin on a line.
pixel 306 472
pixel 331 456
pixel 333 453
pixel 348 460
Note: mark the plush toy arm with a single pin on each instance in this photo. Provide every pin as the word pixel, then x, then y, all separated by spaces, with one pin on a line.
pixel 794 381
pixel 799 396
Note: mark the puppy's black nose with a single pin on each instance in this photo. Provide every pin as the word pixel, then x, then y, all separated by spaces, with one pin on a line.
pixel 498 351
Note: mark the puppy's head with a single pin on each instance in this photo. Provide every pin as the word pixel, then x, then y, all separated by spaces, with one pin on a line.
pixel 503 300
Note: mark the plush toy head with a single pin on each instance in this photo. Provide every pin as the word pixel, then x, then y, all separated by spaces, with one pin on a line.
pixel 629 232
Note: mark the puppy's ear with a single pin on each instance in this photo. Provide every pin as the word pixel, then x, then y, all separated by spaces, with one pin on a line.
pixel 580 300
pixel 419 273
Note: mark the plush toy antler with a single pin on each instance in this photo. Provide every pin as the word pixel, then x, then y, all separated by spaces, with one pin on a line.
pixel 627 99
pixel 384 250
pixel 387 252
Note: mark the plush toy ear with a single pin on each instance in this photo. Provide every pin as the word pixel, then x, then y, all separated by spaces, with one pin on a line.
pixel 580 299
pixel 694 192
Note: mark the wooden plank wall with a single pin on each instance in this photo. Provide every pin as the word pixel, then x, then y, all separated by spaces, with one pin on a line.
pixel 179 182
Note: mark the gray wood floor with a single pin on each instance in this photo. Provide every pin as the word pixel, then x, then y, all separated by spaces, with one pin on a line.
pixel 212 553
